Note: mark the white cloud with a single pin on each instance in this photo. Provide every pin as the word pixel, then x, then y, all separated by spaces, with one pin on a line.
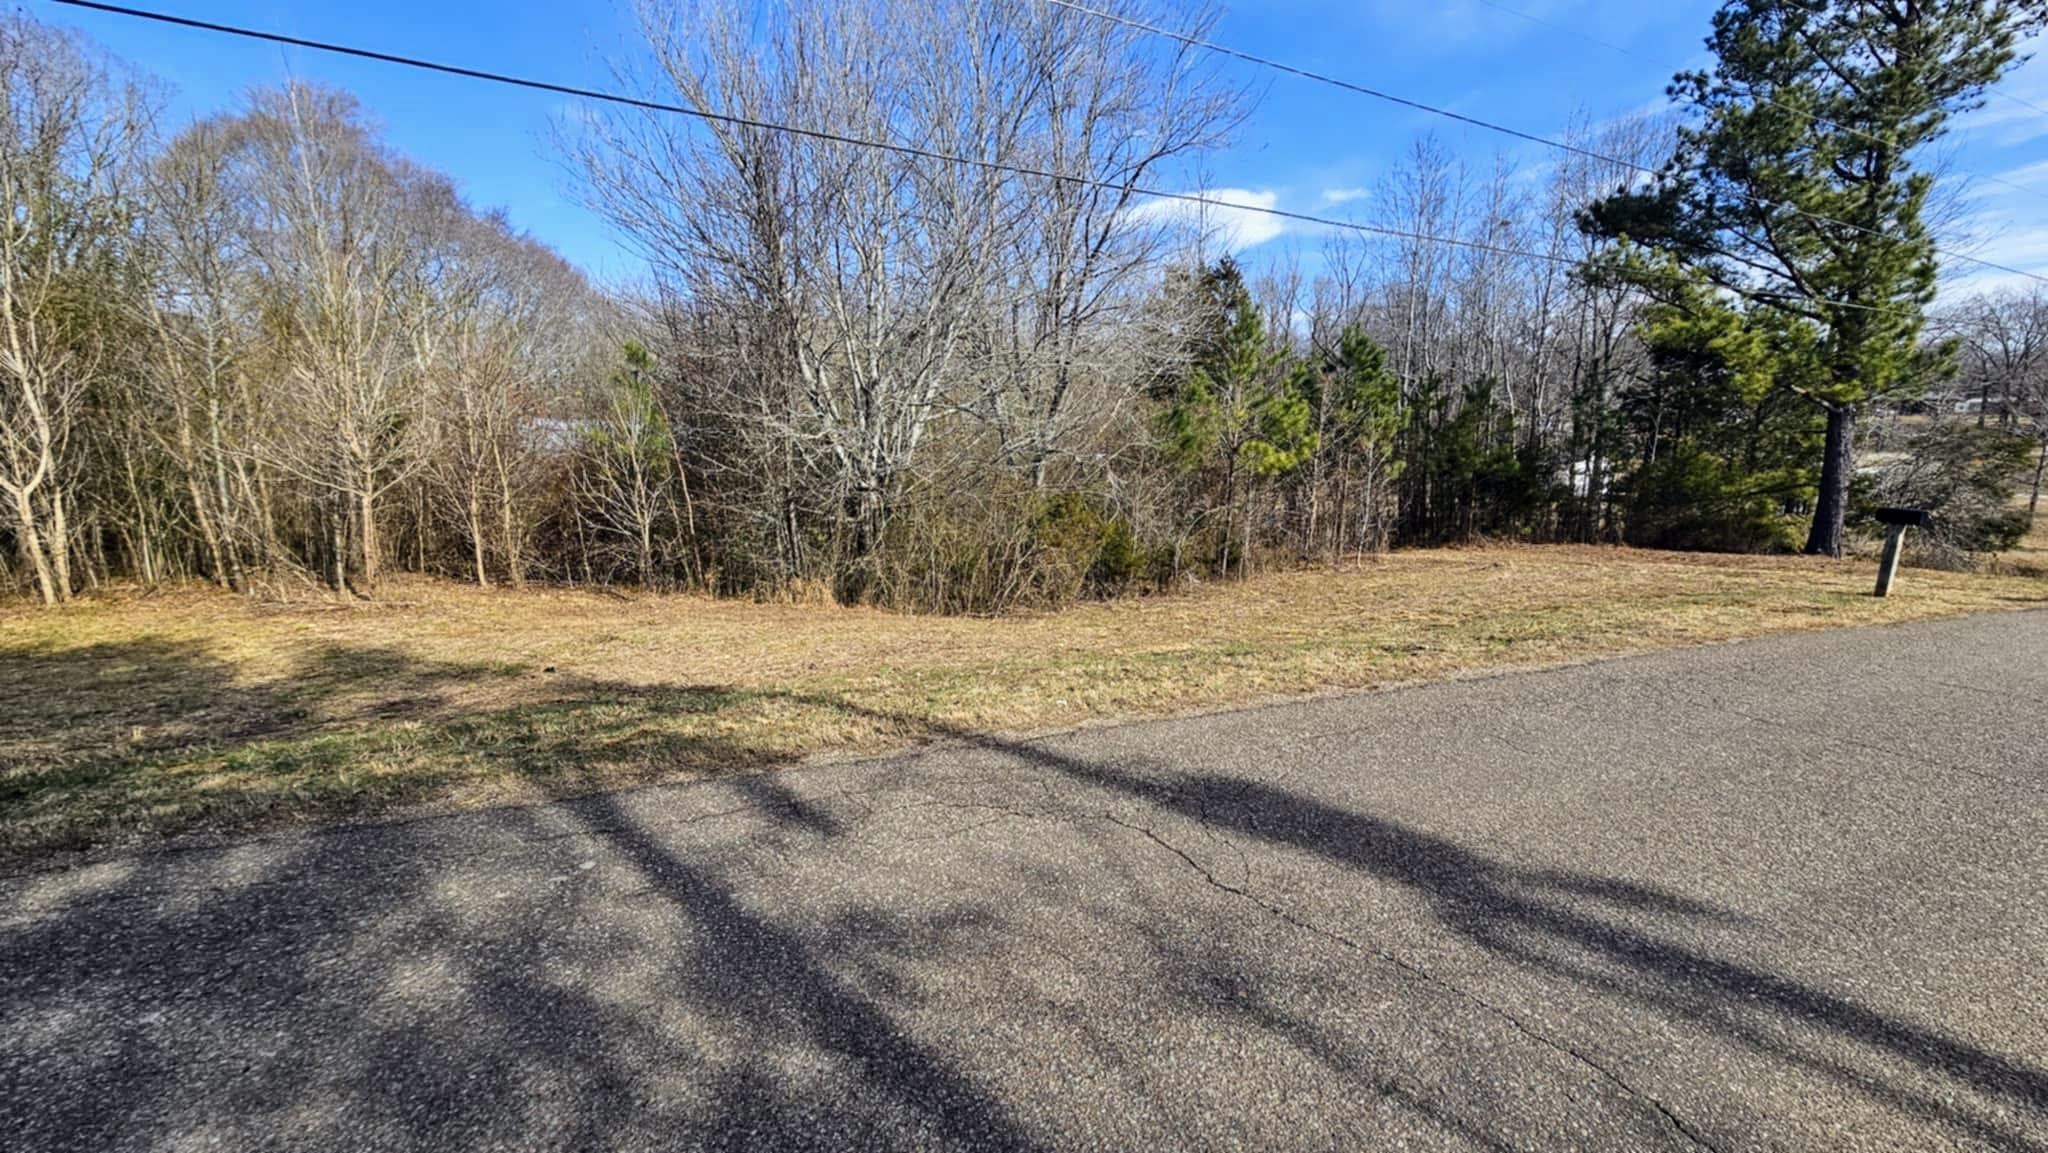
pixel 1234 221
pixel 1343 195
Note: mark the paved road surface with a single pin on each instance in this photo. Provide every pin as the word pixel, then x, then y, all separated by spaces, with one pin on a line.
pixel 1709 900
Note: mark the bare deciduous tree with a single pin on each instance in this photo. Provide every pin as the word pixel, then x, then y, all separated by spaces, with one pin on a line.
pixel 2005 354
pixel 337 246
pixel 873 293
pixel 71 140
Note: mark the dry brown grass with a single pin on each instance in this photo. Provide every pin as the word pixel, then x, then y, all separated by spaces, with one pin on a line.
pixel 136 717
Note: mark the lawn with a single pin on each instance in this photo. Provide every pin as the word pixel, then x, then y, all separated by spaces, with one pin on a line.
pixel 132 718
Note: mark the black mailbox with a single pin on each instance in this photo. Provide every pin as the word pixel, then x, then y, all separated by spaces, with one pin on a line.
pixel 1909 517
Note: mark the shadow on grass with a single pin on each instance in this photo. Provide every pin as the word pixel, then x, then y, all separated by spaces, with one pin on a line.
pixel 372 1006
pixel 115 742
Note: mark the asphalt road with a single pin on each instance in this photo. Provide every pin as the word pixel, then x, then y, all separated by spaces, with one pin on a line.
pixel 1790 894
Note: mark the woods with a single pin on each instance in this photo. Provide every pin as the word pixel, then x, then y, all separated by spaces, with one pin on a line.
pixel 984 367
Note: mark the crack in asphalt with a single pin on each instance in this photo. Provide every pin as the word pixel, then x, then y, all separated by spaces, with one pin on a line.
pixel 1243 891
pixel 1853 742
pixel 1069 805
pixel 2001 694
pixel 1678 1124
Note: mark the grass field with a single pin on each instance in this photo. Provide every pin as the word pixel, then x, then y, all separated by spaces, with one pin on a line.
pixel 128 719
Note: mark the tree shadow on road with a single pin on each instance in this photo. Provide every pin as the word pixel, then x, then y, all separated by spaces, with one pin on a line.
pixel 1511 913
pixel 88 989
pixel 340 996
pixel 766 979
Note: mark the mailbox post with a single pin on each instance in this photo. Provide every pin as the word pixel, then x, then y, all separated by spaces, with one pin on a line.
pixel 1896 521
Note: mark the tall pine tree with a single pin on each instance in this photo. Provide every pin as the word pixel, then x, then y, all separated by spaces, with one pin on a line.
pixel 1798 185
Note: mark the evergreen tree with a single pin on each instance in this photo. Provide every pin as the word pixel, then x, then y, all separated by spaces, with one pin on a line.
pixel 1365 419
pixel 1797 186
pixel 1719 425
pixel 1465 475
pixel 1242 414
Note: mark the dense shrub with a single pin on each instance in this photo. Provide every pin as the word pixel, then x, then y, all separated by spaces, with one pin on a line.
pixel 1966 475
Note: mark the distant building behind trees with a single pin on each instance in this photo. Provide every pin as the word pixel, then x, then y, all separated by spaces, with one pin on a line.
pixel 267 351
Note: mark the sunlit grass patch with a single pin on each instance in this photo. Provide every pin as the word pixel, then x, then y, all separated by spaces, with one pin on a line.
pixel 131 718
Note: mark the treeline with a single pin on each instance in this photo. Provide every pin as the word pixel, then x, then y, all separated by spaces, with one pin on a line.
pixel 981 370
pixel 266 349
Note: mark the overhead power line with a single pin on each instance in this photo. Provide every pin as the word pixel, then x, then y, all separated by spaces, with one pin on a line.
pixel 794 130
pixel 2016 98
pixel 1211 46
pixel 833 137
pixel 1589 38
pixel 1546 22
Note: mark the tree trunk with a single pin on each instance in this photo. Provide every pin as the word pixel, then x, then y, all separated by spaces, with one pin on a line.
pixel 366 506
pixel 1229 513
pixel 476 536
pixel 209 535
pixel 93 551
pixel 794 568
pixel 255 488
pixel 1340 513
pixel 202 511
pixel 1244 560
pixel 582 545
pixel 1837 466
pixel 228 539
pixel 32 547
pixel 58 543
pixel 508 523
pixel 142 542
pixel 1313 491
pixel 689 509
pixel 515 552
pixel 337 544
pixel 422 522
pixel 2040 466
pixel 643 517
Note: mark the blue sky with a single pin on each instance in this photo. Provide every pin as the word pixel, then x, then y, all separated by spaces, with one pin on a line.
pixel 1306 147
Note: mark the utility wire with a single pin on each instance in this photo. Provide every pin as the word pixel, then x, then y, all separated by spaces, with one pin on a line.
pixel 2022 101
pixel 1546 22
pixel 1589 38
pixel 1377 94
pixel 793 130
pixel 833 137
